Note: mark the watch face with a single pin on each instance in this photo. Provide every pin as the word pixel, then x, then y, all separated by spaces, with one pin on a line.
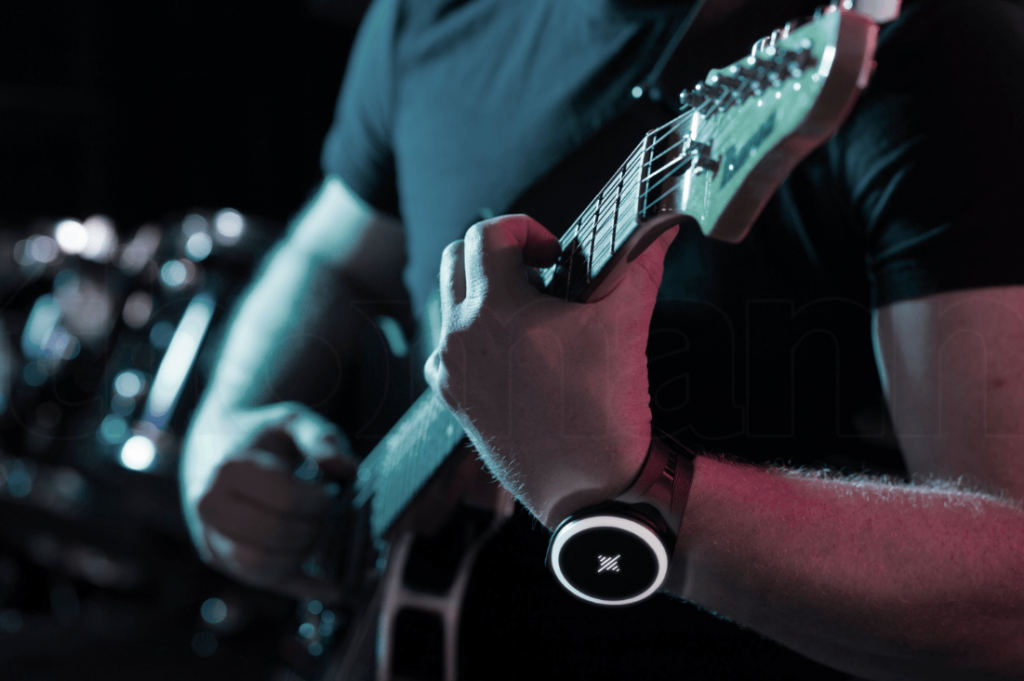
pixel 609 560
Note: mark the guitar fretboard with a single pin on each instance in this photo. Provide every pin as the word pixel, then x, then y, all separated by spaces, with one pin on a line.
pixel 614 214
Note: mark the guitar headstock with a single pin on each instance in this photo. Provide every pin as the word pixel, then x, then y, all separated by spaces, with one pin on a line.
pixel 749 124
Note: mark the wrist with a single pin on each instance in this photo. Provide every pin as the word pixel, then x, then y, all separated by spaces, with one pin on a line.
pixel 619 552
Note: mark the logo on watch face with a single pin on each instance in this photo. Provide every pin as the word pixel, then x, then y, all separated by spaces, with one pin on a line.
pixel 609 563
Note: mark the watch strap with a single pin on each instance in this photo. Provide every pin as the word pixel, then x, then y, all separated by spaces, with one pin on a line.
pixel 664 480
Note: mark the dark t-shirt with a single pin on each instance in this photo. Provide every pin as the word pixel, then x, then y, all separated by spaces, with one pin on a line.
pixel 453 110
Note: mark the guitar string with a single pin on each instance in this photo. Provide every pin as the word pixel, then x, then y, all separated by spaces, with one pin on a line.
pixel 683 119
pixel 723 131
pixel 590 241
pixel 592 237
pixel 635 157
pixel 669 128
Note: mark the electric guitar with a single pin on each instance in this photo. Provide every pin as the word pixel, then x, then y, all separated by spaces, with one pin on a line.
pixel 397 543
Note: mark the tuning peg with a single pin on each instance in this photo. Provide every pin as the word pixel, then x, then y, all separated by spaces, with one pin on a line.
pixel 692 99
pixel 702 160
pixel 797 23
pixel 726 81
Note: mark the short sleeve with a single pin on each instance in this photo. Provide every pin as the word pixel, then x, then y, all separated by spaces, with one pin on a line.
pixel 358 147
pixel 930 156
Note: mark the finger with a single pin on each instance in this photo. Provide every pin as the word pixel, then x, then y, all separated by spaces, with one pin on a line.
pixel 253 563
pixel 322 442
pixel 453 277
pixel 432 370
pixel 535 278
pixel 498 250
pixel 236 518
pixel 273 489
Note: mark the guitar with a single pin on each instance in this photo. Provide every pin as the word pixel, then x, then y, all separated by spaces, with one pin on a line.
pixel 403 540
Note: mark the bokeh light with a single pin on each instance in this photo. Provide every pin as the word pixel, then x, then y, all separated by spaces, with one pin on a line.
pixel 173 274
pixel 199 246
pixel 128 384
pixel 113 429
pixel 140 249
pixel 137 309
pixel 229 224
pixel 161 334
pixel 101 238
pixel 138 453
pixel 194 224
pixel 214 610
pixel 42 249
pixel 72 236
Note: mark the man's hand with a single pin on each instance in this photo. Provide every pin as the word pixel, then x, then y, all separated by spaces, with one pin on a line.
pixel 553 394
pixel 250 515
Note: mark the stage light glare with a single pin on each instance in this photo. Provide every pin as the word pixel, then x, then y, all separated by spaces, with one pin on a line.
pixel 101 239
pixel 229 223
pixel 72 236
pixel 138 453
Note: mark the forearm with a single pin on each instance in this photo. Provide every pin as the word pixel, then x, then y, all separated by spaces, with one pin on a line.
pixel 291 338
pixel 881 581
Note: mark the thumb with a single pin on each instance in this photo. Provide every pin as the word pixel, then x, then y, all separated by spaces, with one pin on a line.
pixel 321 443
pixel 639 285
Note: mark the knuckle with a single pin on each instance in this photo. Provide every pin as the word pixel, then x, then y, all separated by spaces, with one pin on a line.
pixel 476 231
pixel 452 250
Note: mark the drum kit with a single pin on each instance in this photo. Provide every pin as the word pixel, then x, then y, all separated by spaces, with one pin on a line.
pixel 106 337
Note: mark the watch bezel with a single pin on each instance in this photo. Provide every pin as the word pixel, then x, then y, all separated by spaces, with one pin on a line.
pixel 574 526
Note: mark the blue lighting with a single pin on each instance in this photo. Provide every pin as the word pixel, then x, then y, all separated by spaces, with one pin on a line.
pixel 178 360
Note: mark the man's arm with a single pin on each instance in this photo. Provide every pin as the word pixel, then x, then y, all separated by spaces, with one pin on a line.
pixel 293 334
pixel 883 581
pixel 288 350
pixel 890 581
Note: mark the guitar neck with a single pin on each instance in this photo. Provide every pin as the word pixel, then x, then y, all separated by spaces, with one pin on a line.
pixel 635 199
pixel 416 447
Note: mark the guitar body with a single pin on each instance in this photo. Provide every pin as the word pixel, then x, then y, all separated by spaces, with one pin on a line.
pixel 408 627
pixel 403 542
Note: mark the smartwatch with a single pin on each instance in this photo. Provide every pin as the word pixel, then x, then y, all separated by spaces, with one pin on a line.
pixel 618 552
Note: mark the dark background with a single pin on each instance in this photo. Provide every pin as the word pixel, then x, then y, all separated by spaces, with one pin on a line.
pixel 144 112
pixel 135 109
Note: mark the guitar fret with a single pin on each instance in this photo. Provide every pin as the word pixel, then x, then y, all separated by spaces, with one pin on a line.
pixel 593 238
pixel 647 169
pixel 630 201
pixel 575 245
pixel 618 197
